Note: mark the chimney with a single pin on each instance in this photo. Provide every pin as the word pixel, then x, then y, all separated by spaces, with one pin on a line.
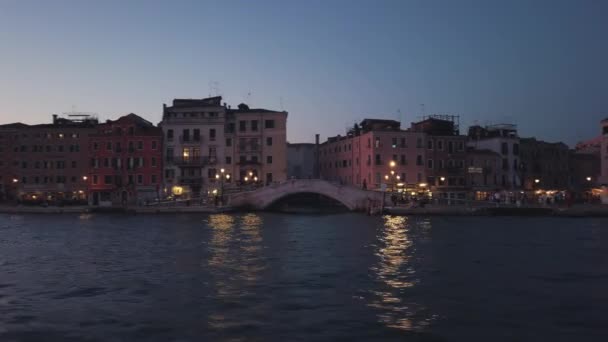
pixel 55 118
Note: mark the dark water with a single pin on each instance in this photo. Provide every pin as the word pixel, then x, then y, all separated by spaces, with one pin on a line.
pixel 281 277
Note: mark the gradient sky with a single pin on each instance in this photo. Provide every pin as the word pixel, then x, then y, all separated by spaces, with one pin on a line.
pixel 540 64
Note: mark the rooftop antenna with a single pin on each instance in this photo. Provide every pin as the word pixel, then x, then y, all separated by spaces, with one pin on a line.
pixel 281 102
pixel 399 114
pixel 422 109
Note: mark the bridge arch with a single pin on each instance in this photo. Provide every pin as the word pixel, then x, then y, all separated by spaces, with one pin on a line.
pixel 351 197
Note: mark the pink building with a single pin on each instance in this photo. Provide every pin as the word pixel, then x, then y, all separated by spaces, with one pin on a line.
pixel 374 152
pixel 604 153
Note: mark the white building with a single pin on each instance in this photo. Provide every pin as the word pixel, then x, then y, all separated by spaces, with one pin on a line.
pixel 502 139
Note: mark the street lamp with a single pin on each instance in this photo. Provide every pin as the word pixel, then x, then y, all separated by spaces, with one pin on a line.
pixel 537 181
pixel 588 179
pixel 84 178
pixel 15 180
pixel 392 163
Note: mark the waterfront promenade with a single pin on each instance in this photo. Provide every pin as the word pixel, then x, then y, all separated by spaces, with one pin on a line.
pixel 580 210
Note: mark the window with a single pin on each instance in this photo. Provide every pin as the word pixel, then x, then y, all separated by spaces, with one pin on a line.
pixel 106 162
pixel 196 134
pixel 140 179
pixel 228 160
pixel 269 178
pixel 268 159
pixel 460 146
pixel 505 148
pixel 403 162
pixel 60 148
pixel 73 164
pixel 394 144
pixel 505 164
pixel 228 142
pixel 186 134
pixel 107 179
pixel 268 141
pixel 95 179
pixel 131 130
pixel 430 144
pixel 95 146
pixel 516 149
pixel 419 143
pixel 403 143
pixel 378 159
pixel 153 162
pixel 450 147
pixel 242 126
pixel 140 145
pixel 419 160
pixel 254 125
pixel 212 134
pixel 429 163
pixel 515 164
pixel 242 159
pixel 169 135
pixel 24 165
pixel 254 159
pixel 230 128
pixel 153 179
pixel 169 154
pixel 269 124
pixel 154 144
pixel 377 142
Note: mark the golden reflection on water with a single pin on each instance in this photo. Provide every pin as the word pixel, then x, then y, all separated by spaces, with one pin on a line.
pixel 235 248
pixel 395 274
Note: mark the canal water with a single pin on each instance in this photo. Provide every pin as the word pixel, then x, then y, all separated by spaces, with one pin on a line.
pixel 279 277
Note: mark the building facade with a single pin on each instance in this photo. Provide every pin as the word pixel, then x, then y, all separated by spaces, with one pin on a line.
pixel 604 154
pixel 125 162
pixel 502 139
pixel 256 145
pixel 204 137
pixel 194 143
pixel 484 172
pixel 544 165
pixel 301 160
pixel 373 153
pixel 48 162
pixel 445 155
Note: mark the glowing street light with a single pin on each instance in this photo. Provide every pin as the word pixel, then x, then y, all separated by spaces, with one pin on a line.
pixel 537 181
pixel 246 178
pixel 84 178
pixel 442 179
pixel 255 179
pixel 222 171
pixel 228 176
pixel 392 163
pixel 15 180
pixel 217 176
pixel 588 179
pixel 386 177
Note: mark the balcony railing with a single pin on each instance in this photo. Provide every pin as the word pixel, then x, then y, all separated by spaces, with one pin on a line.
pixel 190 139
pixel 248 162
pixel 190 180
pixel 191 161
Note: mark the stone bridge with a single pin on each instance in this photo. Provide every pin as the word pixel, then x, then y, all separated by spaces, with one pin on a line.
pixel 353 198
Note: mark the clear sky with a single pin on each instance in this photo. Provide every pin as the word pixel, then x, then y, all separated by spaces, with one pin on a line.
pixel 540 64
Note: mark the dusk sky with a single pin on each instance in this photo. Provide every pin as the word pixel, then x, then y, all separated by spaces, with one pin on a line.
pixel 542 65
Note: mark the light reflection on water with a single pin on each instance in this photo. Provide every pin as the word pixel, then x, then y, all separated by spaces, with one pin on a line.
pixel 396 274
pixel 235 264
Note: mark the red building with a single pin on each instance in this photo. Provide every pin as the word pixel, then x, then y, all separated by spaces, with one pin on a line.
pixel 46 162
pixel 445 155
pixel 126 162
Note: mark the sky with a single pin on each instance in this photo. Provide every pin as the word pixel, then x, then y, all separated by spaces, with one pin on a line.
pixel 542 65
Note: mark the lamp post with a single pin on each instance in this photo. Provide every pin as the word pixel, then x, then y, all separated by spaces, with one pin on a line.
pixel 221 176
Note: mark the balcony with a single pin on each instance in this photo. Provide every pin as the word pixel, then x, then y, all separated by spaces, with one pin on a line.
pixel 191 180
pixel 248 162
pixel 191 161
pixel 190 139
